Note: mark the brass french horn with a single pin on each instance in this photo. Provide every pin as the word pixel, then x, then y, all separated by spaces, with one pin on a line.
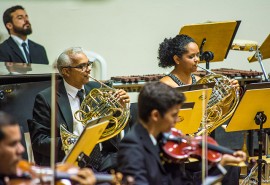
pixel 98 103
pixel 222 103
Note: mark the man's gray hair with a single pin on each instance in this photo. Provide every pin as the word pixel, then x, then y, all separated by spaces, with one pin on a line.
pixel 66 58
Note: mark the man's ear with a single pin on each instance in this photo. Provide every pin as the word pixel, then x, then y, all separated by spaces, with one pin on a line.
pixel 176 59
pixel 65 71
pixel 155 115
pixel 9 26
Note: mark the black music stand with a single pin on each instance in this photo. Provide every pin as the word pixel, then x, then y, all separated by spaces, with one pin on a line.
pixel 191 112
pixel 263 52
pixel 79 154
pixel 251 114
pixel 214 39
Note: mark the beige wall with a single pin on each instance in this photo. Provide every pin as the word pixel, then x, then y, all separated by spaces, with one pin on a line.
pixel 127 33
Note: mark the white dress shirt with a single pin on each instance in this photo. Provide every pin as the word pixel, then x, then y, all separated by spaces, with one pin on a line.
pixel 153 139
pixel 74 102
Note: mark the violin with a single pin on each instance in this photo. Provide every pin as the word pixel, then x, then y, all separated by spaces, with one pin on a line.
pixel 31 174
pixel 177 148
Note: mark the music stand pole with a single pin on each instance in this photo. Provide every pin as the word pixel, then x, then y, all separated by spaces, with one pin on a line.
pixel 258 55
pixel 267 153
pixel 263 52
pixel 260 119
pixel 267 166
pixel 207 56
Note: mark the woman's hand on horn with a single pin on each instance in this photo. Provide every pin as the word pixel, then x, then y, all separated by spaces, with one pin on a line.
pixel 235 84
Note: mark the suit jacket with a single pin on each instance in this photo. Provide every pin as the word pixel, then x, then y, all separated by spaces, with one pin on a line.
pixel 40 129
pixel 2 181
pixel 139 157
pixel 10 52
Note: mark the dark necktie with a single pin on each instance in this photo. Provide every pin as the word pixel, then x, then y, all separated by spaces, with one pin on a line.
pixel 80 95
pixel 95 156
pixel 26 52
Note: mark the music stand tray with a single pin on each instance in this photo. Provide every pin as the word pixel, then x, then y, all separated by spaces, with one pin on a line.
pixel 251 114
pixel 216 37
pixel 87 141
pixel 191 112
pixel 264 50
pixel 254 100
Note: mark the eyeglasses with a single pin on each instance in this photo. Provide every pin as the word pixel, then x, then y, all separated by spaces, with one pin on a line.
pixel 82 67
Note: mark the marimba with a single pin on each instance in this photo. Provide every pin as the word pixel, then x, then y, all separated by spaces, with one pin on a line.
pixel 134 83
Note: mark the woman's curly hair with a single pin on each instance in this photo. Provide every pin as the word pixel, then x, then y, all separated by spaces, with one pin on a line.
pixel 170 47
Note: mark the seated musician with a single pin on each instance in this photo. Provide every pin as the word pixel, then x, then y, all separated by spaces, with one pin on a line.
pixel 12 150
pixel 74 66
pixel 138 156
pixel 182 53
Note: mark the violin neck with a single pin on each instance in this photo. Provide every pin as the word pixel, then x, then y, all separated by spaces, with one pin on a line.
pixel 219 149
pixel 104 178
pixel 99 177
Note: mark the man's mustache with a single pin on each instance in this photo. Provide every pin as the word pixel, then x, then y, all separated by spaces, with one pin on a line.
pixel 27 23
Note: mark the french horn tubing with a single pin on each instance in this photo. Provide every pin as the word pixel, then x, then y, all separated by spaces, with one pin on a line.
pixel 98 103
pixel 222 103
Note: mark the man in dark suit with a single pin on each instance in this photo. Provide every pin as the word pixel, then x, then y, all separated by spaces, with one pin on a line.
pixel 74 66
pixel 138 156
pixel 18 48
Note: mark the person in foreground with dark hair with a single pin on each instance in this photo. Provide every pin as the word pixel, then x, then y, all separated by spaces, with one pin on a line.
pixel 11 153
pixel 18 48
pixel 11 148
pixel 138 156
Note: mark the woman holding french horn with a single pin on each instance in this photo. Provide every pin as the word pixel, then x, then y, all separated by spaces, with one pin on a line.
pixel 182 53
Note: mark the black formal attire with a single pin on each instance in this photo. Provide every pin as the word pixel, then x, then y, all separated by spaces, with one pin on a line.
pixel 2 180
pixel 40 127
pixel 139 157
pixel 10 52
pixel 193 173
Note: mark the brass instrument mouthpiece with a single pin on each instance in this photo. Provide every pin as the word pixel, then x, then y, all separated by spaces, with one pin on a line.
pixel 211 72
pixel 103 84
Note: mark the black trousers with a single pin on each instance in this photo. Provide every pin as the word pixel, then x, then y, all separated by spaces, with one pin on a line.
pixel 193 173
